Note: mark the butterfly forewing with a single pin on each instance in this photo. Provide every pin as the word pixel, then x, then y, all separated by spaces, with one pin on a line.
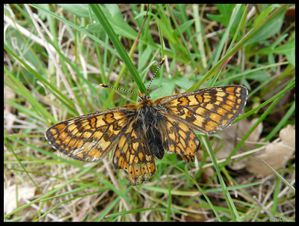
pixel 206 110
pixel 88 137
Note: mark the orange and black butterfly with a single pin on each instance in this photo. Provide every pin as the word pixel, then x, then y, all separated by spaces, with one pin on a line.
pixel 140 133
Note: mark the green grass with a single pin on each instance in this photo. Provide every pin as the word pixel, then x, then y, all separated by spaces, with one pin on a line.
pixel 57 55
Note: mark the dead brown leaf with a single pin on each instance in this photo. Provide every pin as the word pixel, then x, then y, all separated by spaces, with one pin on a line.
pixel 274 156
pixel 287 136
pixel 14 195
pixel 232 135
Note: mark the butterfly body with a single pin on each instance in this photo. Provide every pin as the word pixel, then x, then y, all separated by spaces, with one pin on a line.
pixel 149 119
pixel 140 133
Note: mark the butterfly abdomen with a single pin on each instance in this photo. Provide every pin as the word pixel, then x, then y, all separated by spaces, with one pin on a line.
pixel 155 142
pixel 149 119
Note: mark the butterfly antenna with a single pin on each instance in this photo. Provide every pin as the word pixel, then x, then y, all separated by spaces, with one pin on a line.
pixel 155 73
pixel 117 88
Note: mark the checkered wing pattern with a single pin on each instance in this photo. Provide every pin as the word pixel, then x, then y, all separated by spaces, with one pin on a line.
pixel 206 110
pixel 133 155
pixel 179 138
pixel 88 137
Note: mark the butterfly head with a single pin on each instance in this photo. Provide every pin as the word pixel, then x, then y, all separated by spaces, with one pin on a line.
pixel 143 97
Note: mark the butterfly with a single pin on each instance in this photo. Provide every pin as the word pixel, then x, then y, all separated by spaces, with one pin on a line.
pixel 140 133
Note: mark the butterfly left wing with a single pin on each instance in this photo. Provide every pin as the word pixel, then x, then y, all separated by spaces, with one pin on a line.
pixel 132 155
pixel 206 110
pixel 89 137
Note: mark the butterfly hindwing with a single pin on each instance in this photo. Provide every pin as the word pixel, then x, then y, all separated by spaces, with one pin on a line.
pixel 132 154
pixel 179 138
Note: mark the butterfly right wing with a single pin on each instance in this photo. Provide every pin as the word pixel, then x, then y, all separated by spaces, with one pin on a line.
pixel 179 138
pixel 206 110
